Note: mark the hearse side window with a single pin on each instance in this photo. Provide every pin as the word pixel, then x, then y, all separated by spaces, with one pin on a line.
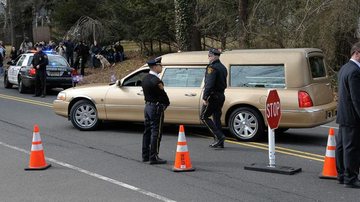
pixel 261 76
pixel 317 67
pixel 135 79
pixel 183 77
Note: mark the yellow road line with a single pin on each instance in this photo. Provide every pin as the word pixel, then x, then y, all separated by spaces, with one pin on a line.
pixel 281 150
pixel 291 150
pixel 19 99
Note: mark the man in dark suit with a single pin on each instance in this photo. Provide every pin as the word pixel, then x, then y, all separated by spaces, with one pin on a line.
pixel 348 117
pixel 156 101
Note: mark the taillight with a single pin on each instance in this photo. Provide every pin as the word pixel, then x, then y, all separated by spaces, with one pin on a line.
pixel 304 99
pixel 73 71
pixel 32 71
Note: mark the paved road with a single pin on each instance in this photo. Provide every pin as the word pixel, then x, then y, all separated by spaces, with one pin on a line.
pixel 105 165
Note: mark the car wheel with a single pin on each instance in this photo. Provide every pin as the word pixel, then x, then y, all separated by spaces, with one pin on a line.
pixel 83 115
pixel 21 87
pixel 246 124
pixel 7 84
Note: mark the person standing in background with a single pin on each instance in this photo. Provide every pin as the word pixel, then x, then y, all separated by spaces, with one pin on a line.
pixel 13 53
pixel 2 58
pixel 39 62
pixel 69 45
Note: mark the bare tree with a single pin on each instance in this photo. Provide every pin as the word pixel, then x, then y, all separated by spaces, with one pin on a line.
pixel 86 28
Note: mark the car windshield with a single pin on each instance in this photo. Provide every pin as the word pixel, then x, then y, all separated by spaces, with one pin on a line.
pixel 54 61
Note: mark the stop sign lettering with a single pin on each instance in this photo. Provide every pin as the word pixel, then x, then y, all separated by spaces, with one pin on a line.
pixel 273 109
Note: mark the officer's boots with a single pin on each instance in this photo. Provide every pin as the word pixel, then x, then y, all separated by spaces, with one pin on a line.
pixel 157 160
pixel 218 143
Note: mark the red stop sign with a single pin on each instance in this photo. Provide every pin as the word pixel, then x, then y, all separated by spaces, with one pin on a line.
pixel 273 109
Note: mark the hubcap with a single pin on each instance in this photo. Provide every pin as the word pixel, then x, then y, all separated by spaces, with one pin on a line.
pixel 245 125
pixel 85 116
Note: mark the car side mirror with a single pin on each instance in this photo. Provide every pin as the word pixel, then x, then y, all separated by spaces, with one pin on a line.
pixel 118 83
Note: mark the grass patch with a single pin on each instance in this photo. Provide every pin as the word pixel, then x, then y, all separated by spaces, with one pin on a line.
pixel 97 75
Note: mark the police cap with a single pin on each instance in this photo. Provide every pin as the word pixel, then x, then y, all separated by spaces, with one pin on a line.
pixel 214 51
pixel 153 62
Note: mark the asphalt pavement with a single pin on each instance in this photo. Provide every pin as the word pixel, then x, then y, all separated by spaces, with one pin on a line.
pixel 105 165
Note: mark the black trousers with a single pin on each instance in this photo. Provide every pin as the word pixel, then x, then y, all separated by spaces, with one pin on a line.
pixel 80 63
pixel 347 153
pixel 70 59
pixel 40 83
pixel 213 109
pixel 154 119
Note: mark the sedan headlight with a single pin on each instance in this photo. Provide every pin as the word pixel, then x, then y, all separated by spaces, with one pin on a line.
pixel 61 96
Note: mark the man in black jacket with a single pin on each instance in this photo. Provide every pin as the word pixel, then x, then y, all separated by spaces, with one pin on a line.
pixel 348 117
pixel 214 97
pixel 156 101
pixel 39 62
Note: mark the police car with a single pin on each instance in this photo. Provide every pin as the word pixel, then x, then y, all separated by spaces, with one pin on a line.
pixel 21 73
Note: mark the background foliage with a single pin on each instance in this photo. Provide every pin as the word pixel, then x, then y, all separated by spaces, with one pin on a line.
pixel 331 25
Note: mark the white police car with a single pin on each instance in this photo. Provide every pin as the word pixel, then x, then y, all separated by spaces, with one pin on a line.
pixel 21 73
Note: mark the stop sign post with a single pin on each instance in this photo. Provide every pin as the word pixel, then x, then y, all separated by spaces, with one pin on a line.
pixel 273 116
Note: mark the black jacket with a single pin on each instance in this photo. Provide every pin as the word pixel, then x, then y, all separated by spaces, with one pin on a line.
pixel 41 59
pixel 348 109
pixel 153 89
pixel 215 79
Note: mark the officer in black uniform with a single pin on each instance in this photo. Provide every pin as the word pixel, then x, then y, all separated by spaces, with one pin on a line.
pixel 39 62
pixel 213 97
pixel 156 101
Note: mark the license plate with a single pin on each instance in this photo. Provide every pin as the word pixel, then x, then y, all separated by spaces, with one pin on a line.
pixel 54 73
pixel 330 113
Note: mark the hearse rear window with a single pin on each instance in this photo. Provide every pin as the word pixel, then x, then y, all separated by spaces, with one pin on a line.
pixel 261 76
pixel 317 67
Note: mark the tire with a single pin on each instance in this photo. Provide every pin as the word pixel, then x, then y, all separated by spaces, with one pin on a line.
pixel 246 124
pixel 7 84
pixel 83 115
pixel 21 87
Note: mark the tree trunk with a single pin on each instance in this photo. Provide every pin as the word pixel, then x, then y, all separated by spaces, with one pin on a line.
pixel 184 15
pixel 243 21
pixel 151 47
pixel 160 49
pixel 196 40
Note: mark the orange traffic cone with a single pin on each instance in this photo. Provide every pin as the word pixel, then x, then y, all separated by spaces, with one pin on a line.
pixel 182 158
pixel 37 156
pixel 329 169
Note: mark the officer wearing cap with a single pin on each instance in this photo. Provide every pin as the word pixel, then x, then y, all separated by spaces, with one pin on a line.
pixel 156 101
pixel 213 97
pixel 39 62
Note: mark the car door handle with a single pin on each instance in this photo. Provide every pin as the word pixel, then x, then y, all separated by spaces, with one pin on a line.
pixel 141 93
pixel 190 94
